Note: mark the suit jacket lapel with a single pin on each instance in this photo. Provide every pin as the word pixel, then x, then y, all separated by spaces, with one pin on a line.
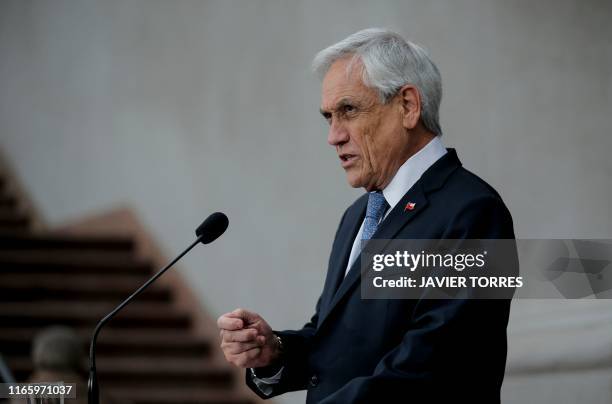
pixel 388 228
pixel 399 217
pixel 340 255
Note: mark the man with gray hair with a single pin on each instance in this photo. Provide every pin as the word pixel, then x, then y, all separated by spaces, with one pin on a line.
pixel 380 96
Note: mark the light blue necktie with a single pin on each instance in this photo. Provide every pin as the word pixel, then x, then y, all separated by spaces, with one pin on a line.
pixel 377 205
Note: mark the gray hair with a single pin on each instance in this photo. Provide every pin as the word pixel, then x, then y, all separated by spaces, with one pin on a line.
pixel 389 63
pixel 57 348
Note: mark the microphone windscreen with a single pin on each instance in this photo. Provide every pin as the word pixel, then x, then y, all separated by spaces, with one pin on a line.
pixel 211 228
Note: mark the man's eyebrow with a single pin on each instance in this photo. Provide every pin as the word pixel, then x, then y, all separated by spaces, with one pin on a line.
pixel 343 102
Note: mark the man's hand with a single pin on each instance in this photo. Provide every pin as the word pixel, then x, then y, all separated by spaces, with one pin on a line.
pixel 247 340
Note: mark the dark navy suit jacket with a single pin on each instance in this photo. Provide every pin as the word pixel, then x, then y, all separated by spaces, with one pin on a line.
pixel 405 351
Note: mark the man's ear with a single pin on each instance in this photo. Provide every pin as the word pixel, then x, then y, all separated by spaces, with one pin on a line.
pixel 410 99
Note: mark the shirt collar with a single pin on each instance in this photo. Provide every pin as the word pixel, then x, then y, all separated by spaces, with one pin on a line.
pixel 410 172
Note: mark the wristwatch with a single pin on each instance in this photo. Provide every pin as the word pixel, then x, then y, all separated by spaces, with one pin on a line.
pixel 279 345
pixel 273 368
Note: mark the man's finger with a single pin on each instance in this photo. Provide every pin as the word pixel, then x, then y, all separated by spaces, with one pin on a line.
pixel 226 322
pixel 247 358
pixel 235 348
pixel 247 316
pixel 245 335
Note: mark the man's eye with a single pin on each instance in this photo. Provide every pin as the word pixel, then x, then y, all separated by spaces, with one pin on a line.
pixel 348 108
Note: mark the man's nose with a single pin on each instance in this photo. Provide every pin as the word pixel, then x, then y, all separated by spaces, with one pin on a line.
pixel 337 135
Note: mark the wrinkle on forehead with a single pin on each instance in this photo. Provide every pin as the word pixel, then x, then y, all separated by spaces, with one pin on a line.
pixel 342 84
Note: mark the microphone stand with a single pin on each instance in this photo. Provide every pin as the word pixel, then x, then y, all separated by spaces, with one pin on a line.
pixel 93 393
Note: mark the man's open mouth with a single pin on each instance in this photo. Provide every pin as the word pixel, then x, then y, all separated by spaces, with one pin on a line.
pixel 347 157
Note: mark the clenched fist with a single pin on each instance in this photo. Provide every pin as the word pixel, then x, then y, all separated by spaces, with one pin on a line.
pixel 247 340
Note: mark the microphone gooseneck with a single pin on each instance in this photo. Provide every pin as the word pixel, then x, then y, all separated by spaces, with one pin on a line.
pixel 213 227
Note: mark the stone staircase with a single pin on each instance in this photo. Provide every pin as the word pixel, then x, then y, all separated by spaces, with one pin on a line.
pixel 148 354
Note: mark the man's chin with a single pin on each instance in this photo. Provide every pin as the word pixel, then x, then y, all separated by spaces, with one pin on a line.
pixel 354 181
pixel 360 183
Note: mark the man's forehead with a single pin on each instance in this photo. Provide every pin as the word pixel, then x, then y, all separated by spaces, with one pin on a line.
pixel 342 85
pixel 341 73
pixel 331 101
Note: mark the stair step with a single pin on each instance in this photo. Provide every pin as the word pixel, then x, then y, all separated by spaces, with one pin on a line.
pixel 10 211
pixel 157 370
pixel 117 342
pixel 7 200
pixel 14 220
pixel 137 314
pixel 65 263
pixel 81 288
pixel 80 256
pixel 179 396
pixel 146 372
pixel 66 242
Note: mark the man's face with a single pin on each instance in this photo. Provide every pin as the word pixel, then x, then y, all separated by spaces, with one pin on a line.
pixel 369 137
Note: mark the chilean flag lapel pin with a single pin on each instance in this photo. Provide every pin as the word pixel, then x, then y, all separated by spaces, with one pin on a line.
pixel 409 206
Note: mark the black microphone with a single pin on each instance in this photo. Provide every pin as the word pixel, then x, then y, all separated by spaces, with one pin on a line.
pixel 213 227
